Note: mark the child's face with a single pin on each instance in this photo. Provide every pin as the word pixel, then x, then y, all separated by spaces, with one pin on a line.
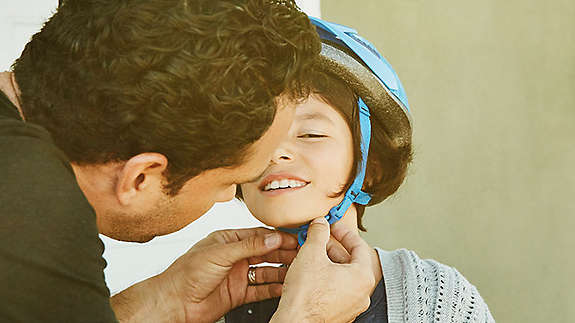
pixel 314 160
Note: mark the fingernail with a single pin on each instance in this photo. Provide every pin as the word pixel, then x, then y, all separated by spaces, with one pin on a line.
pixel 271 240
pixel 319 220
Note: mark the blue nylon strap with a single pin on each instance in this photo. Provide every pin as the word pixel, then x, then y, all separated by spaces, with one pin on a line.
pixel 354 194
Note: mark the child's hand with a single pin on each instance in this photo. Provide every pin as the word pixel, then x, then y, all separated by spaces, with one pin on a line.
pixel 318 289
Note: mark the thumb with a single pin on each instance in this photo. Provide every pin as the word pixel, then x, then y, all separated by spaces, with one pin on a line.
pixel 318 234
pixel 252 246
pixel 337 252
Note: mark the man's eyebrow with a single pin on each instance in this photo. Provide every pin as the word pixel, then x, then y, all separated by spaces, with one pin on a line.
pixel 314 116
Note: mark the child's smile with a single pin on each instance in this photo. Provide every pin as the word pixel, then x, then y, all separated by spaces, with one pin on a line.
pixel 279 183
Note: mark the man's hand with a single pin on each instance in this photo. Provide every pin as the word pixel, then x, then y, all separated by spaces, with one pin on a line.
pixel 211 278
pixel 319 290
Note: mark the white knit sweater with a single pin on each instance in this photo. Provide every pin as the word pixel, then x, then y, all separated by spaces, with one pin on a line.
pixel 426 291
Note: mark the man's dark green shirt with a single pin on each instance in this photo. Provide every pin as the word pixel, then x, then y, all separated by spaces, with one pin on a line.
pixel 51 265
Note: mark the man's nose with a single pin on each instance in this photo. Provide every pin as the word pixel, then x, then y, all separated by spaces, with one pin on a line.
pixel 228 194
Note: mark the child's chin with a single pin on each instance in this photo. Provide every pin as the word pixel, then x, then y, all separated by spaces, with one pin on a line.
pixel 284 219
pixel 291 225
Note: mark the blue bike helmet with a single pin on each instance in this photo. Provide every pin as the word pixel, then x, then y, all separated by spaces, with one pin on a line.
pixel 382 101
pixel 357 62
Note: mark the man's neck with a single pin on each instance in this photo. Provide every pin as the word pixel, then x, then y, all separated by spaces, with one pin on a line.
pixel 10 88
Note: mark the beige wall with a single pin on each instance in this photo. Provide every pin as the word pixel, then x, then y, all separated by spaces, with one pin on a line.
pixel 492 88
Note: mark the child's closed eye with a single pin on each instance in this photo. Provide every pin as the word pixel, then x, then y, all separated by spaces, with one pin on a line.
pixel 311 136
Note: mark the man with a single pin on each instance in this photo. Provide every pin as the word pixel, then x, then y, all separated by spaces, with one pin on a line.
pixel 132 118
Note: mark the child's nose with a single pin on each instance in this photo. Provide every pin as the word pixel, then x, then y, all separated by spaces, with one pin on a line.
pixel 282 156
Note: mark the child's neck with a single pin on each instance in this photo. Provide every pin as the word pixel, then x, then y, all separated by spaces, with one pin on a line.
pixel 349 219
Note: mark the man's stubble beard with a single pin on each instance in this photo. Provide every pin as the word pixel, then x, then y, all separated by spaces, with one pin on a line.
pixel 140 226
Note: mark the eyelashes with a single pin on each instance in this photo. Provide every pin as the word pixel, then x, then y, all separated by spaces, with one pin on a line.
pixel 311 136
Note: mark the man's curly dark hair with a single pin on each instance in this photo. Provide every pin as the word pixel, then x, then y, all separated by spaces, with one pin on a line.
pixel 194 80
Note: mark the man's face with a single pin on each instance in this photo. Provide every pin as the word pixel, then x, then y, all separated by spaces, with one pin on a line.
pixel 169 214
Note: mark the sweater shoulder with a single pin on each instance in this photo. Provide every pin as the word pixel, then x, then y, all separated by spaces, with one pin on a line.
pixel 425 290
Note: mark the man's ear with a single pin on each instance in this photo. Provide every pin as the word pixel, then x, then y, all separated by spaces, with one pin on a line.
pixel 143 173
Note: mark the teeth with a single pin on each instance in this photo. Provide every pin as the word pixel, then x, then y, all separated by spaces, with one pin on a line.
pixel 284 183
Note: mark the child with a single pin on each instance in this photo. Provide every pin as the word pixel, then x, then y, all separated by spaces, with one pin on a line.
pixel 349 147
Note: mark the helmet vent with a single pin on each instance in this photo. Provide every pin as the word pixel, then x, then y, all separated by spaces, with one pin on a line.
pixel 364 43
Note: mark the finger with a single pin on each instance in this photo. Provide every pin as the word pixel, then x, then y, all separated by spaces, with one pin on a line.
pixel 253 246
pixel 269 274
pixel 230 235
pixel 235 235
pixel 338 230
pixel 336 252
pixel 358 249
pixel 256 293
pixel 317 235
pixel 289 241
pixel 277 256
